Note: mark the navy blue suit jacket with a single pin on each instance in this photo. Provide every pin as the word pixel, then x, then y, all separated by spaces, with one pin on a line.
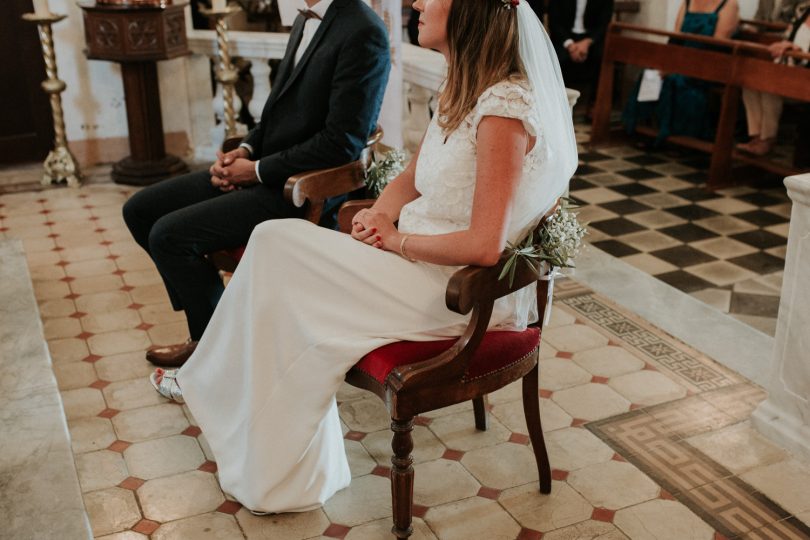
pixel 321 111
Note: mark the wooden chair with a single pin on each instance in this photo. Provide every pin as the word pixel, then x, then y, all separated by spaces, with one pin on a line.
pixel 416 377
pixel 308 190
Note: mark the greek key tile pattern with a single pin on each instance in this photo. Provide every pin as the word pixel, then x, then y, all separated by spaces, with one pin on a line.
pixel 653 439
pixel 698 371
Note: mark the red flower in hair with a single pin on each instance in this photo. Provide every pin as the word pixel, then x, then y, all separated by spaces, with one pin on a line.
pixel 509 4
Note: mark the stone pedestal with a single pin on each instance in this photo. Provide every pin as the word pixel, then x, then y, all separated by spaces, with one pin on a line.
pixel 785 416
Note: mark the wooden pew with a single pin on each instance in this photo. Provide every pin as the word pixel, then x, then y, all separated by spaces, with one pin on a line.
pixel 745 64
pixel 763 32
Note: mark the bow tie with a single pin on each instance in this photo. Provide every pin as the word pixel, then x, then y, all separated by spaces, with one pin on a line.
pixel 309 14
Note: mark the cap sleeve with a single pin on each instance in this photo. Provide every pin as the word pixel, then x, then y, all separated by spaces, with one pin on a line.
pixel 507 99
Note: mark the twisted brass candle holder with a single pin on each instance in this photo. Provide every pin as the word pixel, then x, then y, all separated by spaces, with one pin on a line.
pixel 60 165
pixel 226 74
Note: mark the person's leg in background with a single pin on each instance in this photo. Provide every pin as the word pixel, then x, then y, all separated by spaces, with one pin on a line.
pixel 762 114
pixel 771 113
pixel 801 156
pixel 752 99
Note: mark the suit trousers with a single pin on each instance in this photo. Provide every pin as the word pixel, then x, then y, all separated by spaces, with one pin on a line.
pixel 180 220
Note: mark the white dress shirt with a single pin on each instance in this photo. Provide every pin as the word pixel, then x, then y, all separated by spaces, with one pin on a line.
pixel 579 22
pixel 310 27
pixel 579 18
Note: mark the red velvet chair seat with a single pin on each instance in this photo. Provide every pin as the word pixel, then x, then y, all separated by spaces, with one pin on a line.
pixel 497 350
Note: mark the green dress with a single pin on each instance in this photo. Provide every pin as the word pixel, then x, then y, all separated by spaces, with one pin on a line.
pixel 683 105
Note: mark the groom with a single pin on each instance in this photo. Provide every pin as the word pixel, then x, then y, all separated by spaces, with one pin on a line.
pixel 577 29
pixel 323 106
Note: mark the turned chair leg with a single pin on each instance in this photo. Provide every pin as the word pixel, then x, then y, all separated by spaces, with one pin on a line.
pixel 480 410
pixel 531 409
pixel 402 477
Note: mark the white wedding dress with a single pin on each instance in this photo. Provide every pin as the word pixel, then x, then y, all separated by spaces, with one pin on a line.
pixel 306 303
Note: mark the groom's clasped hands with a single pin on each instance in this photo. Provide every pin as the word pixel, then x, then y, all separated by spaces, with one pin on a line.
pixel 233 170
pixel 376 229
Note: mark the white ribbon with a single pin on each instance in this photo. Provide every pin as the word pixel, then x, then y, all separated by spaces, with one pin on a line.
pixel 552 274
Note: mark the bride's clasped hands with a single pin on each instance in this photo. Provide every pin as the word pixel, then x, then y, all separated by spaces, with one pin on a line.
pixel 376 229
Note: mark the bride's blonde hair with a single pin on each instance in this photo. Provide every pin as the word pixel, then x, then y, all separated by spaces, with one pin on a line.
pixel 483 42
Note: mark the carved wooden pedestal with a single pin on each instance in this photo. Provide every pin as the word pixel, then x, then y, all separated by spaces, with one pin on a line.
pixel 137 37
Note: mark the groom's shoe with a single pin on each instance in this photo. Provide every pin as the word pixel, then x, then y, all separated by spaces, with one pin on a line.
pixel 171 356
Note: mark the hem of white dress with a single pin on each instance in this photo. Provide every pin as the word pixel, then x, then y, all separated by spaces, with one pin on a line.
pixel 303 509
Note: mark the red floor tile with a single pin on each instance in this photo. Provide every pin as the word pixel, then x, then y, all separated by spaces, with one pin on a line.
pixel 208 466
pixel 192 431
pixel 119 446
pixel 558 474
pixel 146 526
pixel 603 514
pixel 132 483
pixel 229 507
pixel 519 438
pixel 529 534
pixel 336 531
pixel 380 470
pixel 453 455
pixel 489 493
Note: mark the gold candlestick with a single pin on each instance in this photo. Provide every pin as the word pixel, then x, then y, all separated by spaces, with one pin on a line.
pixel 226 74
pixel 60 165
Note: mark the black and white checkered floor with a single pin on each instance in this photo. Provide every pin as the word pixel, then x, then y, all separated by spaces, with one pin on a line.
pixel 651 210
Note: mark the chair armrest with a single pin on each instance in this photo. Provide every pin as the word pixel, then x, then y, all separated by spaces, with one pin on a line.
pixel 475 289
pixel 231 143
pixel 476 285
pixel 319 185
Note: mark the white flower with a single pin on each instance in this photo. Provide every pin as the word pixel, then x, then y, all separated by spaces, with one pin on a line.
pixel 558 242
pixel 381 172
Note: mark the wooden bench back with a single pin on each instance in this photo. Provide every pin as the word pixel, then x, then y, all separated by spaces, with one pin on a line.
pixel 731 63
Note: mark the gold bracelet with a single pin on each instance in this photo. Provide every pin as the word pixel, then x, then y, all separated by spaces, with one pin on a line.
pixel 402 248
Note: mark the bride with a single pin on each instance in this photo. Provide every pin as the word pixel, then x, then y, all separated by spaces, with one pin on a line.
pixel 306 303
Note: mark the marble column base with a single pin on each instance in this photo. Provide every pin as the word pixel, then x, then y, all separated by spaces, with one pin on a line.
pixel 785 416
pixel 788 431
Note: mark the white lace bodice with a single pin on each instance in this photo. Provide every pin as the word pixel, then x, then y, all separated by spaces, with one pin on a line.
pixel 446 175
pixel 446 170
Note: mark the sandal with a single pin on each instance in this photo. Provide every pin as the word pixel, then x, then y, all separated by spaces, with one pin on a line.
pixel 259 513
pixel 167 387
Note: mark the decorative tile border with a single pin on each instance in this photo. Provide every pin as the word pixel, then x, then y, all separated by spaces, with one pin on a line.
pixel 697 371
pixel 653 439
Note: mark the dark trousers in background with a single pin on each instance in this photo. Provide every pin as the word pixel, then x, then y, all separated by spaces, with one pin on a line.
pixel 801 155
pixel 581 75
pixel 180 220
